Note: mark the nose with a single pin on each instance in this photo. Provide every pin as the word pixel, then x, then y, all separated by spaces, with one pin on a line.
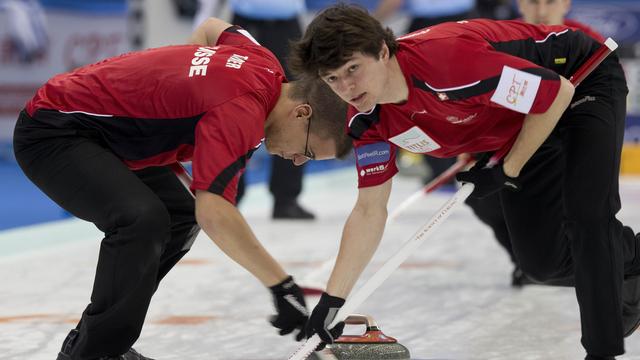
pixel 542 10
pixel 344 85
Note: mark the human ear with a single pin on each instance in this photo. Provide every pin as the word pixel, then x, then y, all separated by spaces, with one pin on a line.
pixel 303 111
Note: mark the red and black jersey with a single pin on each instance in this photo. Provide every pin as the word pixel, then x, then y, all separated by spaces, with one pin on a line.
pixel 471 83
pixel 174 103
pixel 585 28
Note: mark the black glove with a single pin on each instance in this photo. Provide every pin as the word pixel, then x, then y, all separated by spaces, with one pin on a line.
pixel 291 308
pixel 487 181
pixel 322 316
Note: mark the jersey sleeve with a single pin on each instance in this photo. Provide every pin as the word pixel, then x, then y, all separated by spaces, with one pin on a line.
pixel 226 137
pixel 375 161
pixel 495 79
pixel 235 35
pixel 375 156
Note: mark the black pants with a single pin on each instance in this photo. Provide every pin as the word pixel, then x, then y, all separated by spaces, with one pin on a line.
pixel 563 221
pixel 285 182
pixel 147 217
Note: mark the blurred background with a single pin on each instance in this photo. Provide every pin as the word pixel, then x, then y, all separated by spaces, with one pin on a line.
pixel 40 38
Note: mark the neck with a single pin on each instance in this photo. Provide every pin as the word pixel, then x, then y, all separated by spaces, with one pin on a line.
pixel 397 89
pixel 282 107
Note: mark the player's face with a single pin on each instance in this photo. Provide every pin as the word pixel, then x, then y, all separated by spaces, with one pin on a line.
pixel 360 81
pixel 296 141
pixel 548 12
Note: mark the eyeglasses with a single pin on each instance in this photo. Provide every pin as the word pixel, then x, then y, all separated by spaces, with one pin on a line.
pixel 307 154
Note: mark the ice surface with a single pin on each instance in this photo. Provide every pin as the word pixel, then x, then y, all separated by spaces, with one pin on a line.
pixel 450 300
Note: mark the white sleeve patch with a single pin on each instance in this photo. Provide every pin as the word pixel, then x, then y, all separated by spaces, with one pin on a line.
pixel 516 90
pixel 248 35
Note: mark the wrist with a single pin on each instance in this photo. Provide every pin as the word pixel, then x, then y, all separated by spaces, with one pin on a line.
pixel 510 171
pixel 283 286
pixel 332 301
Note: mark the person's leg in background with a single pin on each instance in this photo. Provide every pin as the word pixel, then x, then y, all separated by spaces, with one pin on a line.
pixel 489 211
pixel 285 182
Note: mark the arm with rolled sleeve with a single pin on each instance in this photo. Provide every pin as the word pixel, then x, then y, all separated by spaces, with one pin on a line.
pixel 221 152
pixel 360 238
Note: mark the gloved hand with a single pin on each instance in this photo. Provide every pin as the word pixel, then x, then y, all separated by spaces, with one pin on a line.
pixel 488 180
pixel 291 308
pixel 322 316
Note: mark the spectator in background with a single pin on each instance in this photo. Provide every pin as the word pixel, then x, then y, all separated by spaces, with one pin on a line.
pixel 552 12
pixel 27 28
pixel 273 24
pixel 495 9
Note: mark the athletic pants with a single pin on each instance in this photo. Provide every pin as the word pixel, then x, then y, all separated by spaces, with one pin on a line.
pixel 147 217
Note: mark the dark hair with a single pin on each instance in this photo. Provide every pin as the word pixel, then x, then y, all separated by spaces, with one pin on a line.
pixel 329 112
pixel 334 35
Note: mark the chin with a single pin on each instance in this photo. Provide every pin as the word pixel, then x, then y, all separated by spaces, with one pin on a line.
pixel 269 146
pixel 363 108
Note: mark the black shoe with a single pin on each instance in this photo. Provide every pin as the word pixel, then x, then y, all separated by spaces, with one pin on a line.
pixel 68 343
pixel 594 357
pixel 132 354
pixel 519 278
pixel 292 211
pixel 630 305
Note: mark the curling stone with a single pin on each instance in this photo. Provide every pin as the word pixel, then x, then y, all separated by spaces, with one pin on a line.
pixel 372 345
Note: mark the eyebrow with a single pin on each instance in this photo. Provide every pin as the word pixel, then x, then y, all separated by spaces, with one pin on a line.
pixel 323 73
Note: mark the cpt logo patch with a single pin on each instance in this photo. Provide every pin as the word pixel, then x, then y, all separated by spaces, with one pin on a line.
pixel 375 153
pixel 516 90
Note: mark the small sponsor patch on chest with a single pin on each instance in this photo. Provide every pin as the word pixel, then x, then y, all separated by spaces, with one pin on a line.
pixel 516 90
pixel 415 140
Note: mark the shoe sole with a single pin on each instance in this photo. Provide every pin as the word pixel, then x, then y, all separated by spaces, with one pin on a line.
pixel 634 328
pixel 633 289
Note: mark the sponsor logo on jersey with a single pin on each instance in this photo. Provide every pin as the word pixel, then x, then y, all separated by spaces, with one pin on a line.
pixel 375 153
pixel 516 89
pixel 456 120
pixel 200 61
pixel 421 112
pixel 235 61
pixel 378 169
pixel 415 140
